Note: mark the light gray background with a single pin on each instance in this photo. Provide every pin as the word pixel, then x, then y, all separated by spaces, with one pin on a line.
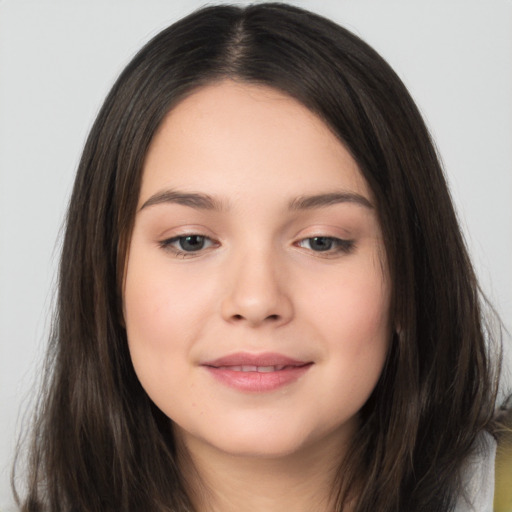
pixel 59 58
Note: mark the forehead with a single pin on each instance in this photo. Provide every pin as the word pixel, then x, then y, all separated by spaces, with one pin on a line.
pixel 245 135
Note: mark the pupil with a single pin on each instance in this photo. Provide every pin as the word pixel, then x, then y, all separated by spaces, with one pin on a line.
pixel 320 243
pixel 192 242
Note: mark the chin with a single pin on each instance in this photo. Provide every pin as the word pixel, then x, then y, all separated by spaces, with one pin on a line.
pixel 268 441
pixel 260 447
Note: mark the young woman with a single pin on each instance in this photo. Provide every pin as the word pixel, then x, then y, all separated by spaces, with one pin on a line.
pixel 265 301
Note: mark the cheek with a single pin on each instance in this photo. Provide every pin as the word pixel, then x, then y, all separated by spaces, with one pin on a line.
pixel 355 303
pixel 146 305
pixel 162 304
pixel 352 316
pixel 161 317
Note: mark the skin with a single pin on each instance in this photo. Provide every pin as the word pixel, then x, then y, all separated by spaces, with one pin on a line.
pixel 259 284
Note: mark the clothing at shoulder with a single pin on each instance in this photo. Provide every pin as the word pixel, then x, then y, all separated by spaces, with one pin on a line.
pixel 479 479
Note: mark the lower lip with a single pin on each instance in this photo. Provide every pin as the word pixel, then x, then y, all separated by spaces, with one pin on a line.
pixel 258 382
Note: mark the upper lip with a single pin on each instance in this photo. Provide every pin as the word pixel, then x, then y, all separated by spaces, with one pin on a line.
pixel 248 359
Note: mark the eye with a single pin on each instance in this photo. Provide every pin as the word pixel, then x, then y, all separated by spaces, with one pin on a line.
pixel 187 244
pixel 326 244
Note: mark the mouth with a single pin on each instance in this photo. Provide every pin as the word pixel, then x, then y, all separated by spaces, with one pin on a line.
pixel 251 368
pixel 257 373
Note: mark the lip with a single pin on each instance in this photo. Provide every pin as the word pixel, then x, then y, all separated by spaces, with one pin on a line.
pixel 257 373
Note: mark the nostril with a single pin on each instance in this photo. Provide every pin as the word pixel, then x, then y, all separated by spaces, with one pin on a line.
pixel 239 317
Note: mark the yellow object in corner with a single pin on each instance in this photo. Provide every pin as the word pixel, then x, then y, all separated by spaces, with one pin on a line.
pixel 503 488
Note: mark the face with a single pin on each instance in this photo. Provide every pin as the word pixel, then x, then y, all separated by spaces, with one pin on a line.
pixel 256 294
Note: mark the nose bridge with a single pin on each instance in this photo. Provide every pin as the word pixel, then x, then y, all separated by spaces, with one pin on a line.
pixel 256 292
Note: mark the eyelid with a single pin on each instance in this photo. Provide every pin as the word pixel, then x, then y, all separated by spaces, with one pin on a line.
pixel 337 245
pixel 340 247
pixel 167 244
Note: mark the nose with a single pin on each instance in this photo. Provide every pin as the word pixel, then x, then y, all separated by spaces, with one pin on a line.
pixel 257 293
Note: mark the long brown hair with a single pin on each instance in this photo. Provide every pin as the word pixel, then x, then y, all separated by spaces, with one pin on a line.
pixel 100 444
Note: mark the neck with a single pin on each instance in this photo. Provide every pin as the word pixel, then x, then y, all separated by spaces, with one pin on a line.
pixel 222 482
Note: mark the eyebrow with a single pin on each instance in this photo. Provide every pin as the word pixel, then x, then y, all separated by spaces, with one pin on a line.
pixel 192 199
pixel 205 202
pixel 322 200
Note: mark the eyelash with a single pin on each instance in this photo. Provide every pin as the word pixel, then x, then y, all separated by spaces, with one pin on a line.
pixel 168 244
pixel 334 247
